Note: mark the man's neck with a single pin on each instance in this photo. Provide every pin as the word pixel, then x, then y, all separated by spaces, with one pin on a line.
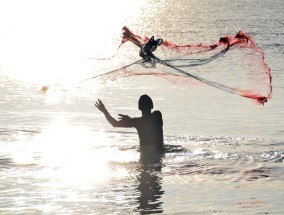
pixel 146 112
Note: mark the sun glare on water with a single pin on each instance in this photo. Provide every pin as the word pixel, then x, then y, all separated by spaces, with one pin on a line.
pixel 73 155
pixel 47 41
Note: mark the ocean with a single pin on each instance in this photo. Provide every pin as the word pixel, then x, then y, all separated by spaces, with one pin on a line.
pixel 59 155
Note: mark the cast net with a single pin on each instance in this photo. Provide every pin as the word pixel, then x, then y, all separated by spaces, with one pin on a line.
pixel 234 64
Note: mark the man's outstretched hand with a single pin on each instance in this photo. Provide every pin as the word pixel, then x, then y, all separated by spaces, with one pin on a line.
pixel 100 105
pixel 123 117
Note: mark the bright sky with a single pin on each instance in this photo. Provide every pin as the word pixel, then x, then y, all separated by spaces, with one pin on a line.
pixel 53 36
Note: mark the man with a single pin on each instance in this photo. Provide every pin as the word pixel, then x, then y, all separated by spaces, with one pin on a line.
pixel 149 126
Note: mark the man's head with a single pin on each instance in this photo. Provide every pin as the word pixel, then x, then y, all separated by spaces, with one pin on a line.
pixel 145 103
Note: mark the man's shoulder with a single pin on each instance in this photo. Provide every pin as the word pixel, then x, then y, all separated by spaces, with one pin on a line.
pixel 157 113
pixel 157 116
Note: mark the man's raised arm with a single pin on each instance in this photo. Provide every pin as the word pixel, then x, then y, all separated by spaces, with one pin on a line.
pixel 124 119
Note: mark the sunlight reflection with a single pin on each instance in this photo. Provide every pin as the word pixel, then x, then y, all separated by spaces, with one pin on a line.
pixel 51 49
pixel 75 154
pixel 65 93
pixel 23 157
pixel 69 150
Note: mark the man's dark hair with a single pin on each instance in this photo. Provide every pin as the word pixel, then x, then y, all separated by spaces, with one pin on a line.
pixel 145 103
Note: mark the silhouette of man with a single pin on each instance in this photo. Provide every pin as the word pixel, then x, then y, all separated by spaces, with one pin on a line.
pixel 149 126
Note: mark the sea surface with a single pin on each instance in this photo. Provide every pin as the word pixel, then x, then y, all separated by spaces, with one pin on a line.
pixel 58 154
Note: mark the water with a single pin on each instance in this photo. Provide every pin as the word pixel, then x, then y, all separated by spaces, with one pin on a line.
pixel 58 155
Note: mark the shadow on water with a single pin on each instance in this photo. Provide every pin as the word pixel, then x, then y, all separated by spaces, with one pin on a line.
pixel 150 187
